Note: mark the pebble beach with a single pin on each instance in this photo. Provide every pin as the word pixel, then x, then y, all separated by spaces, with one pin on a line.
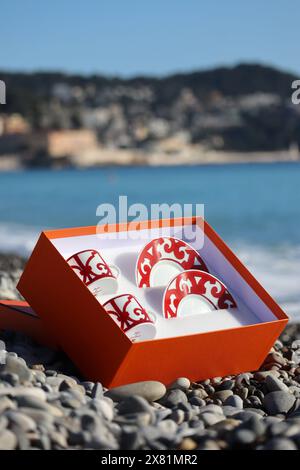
pixel 46 404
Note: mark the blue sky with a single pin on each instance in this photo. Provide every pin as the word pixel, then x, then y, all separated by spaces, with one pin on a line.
pixel 129 37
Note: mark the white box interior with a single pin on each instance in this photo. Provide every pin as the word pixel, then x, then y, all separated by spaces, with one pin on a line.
pixel 123 250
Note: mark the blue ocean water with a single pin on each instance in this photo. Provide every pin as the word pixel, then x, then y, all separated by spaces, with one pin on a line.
pixel 255 208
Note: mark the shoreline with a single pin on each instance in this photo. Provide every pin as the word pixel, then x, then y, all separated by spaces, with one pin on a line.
pixel 48 405
pixel 256 410
pixel 132 158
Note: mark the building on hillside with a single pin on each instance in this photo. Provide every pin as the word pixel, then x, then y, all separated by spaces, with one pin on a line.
pixel 13 124
pixel 63 143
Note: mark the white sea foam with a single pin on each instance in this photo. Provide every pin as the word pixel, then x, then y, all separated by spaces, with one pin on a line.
pixel 278 270
pixel 17 239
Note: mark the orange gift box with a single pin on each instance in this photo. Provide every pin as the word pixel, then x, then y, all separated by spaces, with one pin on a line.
pixel 17 315
pixel 216 344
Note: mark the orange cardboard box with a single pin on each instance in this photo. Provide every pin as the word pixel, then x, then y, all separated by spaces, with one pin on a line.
pixel 221 343
pixel 17 315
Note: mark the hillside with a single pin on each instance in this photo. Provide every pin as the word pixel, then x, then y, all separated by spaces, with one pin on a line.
pixel 246 108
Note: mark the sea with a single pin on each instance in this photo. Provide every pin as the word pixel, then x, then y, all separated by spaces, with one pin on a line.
pixel 254 207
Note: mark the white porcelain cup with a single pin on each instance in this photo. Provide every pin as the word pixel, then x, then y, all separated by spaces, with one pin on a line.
pixel 131 317
pixel 100 277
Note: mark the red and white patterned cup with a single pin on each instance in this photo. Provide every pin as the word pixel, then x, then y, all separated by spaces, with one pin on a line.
pixel 131 317
pixel 95 273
